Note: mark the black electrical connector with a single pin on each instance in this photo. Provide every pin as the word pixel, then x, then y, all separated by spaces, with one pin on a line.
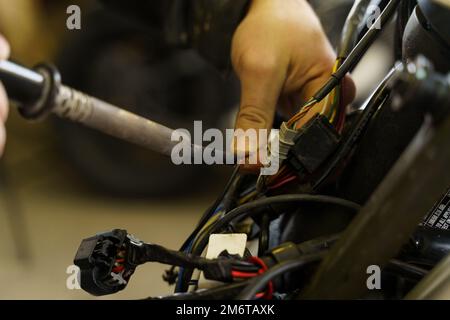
pixel 98 258
pixel 291 251
pixel 314 144
pixel 108 260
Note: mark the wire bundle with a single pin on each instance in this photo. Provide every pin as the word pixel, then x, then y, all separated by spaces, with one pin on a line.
pixel 218 219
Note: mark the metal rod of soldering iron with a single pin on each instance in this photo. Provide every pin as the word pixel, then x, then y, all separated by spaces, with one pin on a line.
pixel 39 92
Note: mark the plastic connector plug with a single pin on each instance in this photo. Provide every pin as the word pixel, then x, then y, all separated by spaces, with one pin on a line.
pixel 286 139
pixel 107 261
pixel 313 144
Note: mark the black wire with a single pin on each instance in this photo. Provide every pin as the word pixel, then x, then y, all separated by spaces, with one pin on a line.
pixel 250 269
pixel 354 18
pixel 264 234
pixel 156 253
pixel 223 292
pixel 406 269
pixel 259 283
pixel 375 101
pixel 404 12
pixel 352 59
pixel 358 51
pixel 230 198
pixel 208 213
pixel 365 25
pixel 247 210
pixel 170 274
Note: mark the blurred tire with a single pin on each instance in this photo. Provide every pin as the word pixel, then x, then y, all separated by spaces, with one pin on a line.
pixel 132 68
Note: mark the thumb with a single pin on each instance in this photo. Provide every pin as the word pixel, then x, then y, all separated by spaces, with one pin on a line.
pixel 261 84
pixel 4 48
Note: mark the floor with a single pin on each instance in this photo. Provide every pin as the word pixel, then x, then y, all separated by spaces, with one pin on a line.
pixel 58 210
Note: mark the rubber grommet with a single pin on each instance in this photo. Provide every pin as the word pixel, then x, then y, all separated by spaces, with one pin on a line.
pixel 44 106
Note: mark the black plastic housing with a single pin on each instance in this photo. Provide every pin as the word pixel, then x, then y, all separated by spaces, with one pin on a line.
pixel 96 257
pixel 315 142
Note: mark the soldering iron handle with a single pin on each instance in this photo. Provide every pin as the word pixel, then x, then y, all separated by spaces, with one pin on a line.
pixel 40 92
pixel 23 85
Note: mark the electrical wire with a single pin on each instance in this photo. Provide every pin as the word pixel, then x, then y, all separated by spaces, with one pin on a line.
pixel 377 99
pixel 358 51
pixel 349 34
pixel 248 268
pixel 247 197
pixel 283 182
pixel 258 283
pixel 188 250
pixel 264 226
pixel 303 111
pixel 350 60
pixel 248 210
pixel 331 85
pixel 410 270
pixel 243 275
pixel 270 288
pixel 170 274
pixel 211 210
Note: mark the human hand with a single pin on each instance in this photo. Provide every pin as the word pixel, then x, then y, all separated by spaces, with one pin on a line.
pixel 4 54
pixel 282 57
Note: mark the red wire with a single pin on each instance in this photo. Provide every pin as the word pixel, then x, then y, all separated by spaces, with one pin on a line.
pixel 118 269
pixel 270 289
pixel 238 274
pixel 283 182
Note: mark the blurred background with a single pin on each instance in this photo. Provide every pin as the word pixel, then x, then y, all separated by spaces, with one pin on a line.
pixel 60 183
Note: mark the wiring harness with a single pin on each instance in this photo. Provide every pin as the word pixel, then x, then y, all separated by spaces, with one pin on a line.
pixel 108 260
pixel 313 145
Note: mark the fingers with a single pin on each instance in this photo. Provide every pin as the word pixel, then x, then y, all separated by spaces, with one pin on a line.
pixel 4 48
pixel 3 104
pixel 261 83
pixel 4 54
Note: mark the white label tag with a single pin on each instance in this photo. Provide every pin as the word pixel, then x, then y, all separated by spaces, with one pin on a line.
pixel 234 243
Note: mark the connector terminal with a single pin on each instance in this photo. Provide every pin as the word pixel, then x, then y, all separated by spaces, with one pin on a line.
pixel 286 139
pixel 313 144
pixel 106 262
